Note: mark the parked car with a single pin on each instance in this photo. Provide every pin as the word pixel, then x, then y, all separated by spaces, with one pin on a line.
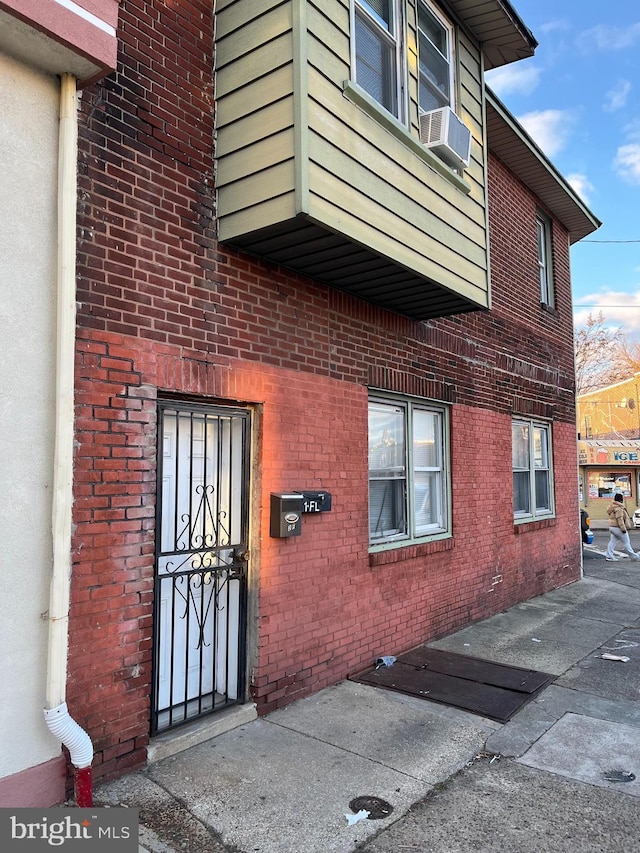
pixel 636 518
pixel 585 526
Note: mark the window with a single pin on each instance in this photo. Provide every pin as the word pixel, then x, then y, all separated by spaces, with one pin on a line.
pixel 543 226
pixel 407 470
pixel 435 65
pixel 532 474
pixel 377 51
pixel 604 484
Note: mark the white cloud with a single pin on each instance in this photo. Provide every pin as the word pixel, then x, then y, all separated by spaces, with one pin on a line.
pixel 632 130
pixel 555 25
pixel 609 299
pixel 581 184
pixel 627 162
pixel 616 98
pixel 608 38
pixel 619 309
pixel 510 79
pixel 549 128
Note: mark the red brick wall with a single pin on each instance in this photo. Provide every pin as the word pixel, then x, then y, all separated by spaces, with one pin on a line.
pixel 163 308
pixel 326 607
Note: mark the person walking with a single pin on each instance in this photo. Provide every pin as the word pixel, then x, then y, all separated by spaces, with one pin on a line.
pixel 619 527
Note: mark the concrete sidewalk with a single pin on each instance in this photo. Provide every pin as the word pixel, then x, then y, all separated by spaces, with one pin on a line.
pixel 284 782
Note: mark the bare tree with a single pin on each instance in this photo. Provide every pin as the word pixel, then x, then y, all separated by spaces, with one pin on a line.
pixel 603 356
pixel 630 355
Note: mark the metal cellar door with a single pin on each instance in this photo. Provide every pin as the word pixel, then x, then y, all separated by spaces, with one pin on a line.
pixel 200 567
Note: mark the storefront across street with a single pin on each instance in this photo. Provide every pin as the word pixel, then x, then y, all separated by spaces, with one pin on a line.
pixel 607 467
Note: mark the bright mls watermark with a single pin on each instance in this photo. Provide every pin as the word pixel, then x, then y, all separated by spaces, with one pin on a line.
pixel 69 829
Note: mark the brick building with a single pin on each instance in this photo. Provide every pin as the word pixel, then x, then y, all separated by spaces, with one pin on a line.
pixel 609 447
pixel 313 424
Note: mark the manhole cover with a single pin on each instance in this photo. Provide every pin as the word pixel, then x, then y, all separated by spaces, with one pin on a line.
pixel 619 776
pixel 376 807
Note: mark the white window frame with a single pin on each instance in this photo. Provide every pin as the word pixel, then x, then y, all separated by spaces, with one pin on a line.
pixel 410 480
pixel 390 36
pixel 447 26
pixel 545 265
pixel 532 467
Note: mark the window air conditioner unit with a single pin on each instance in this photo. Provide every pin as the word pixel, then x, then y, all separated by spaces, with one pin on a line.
pixel 447 136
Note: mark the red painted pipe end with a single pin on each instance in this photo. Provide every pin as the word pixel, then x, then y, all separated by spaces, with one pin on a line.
pixel 84 788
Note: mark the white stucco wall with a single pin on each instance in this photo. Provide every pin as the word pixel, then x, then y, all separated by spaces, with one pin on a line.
pixel 28 236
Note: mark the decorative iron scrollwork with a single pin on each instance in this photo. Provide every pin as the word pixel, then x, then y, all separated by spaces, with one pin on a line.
pixel 199 561
pixel 203 529
pixel 211 584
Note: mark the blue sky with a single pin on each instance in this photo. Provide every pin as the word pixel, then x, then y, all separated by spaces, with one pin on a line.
pixel 579 98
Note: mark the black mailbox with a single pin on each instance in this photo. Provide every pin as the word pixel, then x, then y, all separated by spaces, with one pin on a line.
pixel 286 515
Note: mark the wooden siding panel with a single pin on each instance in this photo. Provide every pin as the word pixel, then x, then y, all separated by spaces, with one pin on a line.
pixel 329 23
pixel 471 111
pixel 259 157
pixel 354 131
pixel 393 191
pixel 335 10
pixel 233 14
pixel 475 173
pixel 468 52
pixel 244 132
pixel 470 96
pixel 243 27
pixel 369 221
pixel 326 62
pixel 250 219
pixel 475 179
pixel 257 188
pixel 412 69
pixel 386 245
pixel 263 60
pixel 252 98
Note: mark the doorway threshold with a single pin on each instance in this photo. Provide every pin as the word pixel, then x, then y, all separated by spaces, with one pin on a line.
pixel 177 740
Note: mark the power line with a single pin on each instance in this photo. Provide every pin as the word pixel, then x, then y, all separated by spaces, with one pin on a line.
pixel 609 241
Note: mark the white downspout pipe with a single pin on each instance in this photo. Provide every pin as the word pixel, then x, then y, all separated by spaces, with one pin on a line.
pixel 56 714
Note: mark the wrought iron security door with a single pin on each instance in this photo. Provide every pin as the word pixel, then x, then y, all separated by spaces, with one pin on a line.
pixel 201 562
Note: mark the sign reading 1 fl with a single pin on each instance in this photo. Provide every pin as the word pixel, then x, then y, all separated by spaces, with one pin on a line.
pixel 316 501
